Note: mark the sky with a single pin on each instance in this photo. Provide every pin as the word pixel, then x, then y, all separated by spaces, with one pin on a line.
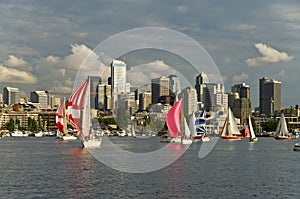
pixel 43 43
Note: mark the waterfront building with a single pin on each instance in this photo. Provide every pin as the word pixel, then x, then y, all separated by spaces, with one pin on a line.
pixel 40 98
pixel 118 80
pixel 160 87
pixel 269 96
pixel 104 97
pixel 11 95
pixel 95 81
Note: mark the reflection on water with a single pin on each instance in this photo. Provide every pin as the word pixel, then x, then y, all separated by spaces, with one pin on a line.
pixel 46 168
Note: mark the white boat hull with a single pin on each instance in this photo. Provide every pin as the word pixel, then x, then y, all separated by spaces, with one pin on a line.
pixel 69 138
pixel 92 143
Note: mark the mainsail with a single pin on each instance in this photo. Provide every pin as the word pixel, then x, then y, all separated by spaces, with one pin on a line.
pixel 281 129
pixel 173 119
pixel 230 127
pixel 192 125
pixel 252 134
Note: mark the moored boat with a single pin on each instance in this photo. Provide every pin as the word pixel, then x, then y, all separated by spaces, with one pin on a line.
pixel 296 147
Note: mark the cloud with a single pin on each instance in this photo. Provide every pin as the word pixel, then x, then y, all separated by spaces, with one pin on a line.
pixel 281 73
pixel 142 74
pixel 11 75
pixel 239 77
pixel 14 61
pixel 269 55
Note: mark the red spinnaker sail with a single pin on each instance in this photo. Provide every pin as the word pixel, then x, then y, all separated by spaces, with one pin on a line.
pixel 75 104
pixel 173 119
pixel 60 117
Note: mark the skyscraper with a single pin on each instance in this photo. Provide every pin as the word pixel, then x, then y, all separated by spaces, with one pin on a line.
pixel 174 84
pixel 160 87
pixel 239 101
pixel 214 97
pixel 201 80
pixel 269 96
pixel 11 95
pixel 118 80
pixel 190 100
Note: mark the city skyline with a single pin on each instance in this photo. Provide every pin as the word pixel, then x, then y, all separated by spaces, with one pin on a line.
pixel 43 43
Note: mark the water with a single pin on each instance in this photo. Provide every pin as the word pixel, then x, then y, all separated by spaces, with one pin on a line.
pixel 49 168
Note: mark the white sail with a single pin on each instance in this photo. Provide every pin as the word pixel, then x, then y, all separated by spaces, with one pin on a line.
pixel 85 112
pixel 192 125
pixel 281 129
pixel 187 131
pixel 252 134
pixel 230 127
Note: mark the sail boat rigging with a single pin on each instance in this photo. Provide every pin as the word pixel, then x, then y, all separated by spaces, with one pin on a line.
pixel 253 137
pixel 230 130
pixel 281 130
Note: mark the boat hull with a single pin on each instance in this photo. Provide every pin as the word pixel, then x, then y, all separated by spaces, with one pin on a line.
pixel 283 138
pixel 92 143
pixel 232 137
pixel 297 147
pixel 253 140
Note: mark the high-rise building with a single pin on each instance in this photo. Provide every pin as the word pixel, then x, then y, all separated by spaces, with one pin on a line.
pixel 95 81
pixel 145 100
pixel 201 81
pixel 118 80
pixel 190 101
pixel 214 97
pixel 160 87
pixel 39 97
pixel 174 84
pixel 104 96
pixel 11 95
pixel 239 101
pixel 269 96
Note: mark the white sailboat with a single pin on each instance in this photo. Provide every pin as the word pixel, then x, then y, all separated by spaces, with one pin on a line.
pixel 230 130
pixel 281 132
pixel 80 115
pixel 253 137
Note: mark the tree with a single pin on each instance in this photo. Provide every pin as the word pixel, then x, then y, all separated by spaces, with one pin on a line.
pixel 10 125
pixel 271 125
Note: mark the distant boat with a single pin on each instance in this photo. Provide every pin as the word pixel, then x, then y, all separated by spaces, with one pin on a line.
pixel 17 133
pixel 39 134
pixel 177 125
pixel 253 137
pixel 230 130
pixel 281 132
pixel 80 115
pixel 296 147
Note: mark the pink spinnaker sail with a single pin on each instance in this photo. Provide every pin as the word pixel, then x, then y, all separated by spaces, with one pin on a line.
pixel 60 117
pixel 173 119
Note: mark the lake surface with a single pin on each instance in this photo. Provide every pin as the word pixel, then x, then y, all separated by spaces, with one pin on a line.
pixel 49 168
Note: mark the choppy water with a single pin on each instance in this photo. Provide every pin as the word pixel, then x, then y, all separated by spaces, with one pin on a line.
pixel 49 168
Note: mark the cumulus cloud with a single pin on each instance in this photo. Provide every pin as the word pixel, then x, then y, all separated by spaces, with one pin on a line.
pixel 11 75
pixel 239 77
pixel 142 74
pixel 14 61
pixel 269 55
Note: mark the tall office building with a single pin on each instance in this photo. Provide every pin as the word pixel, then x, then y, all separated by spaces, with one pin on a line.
pixel 118 80
pixel 201 81
pixel 269 96
pixel 174 84
pixel 11 95
pixel 214 97
pixel 190 101
pixel 95 81
pixel 160 87
pixel 145 100
pixel 104 96
pixel 39 97
pixel 239 101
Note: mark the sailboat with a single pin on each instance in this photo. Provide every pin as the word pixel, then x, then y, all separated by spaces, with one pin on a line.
pixel 200 126
pixel 230 130
pixel 61 123
pixel 281 130
pixel 177 124
pixel 253 137
pixel 80 115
